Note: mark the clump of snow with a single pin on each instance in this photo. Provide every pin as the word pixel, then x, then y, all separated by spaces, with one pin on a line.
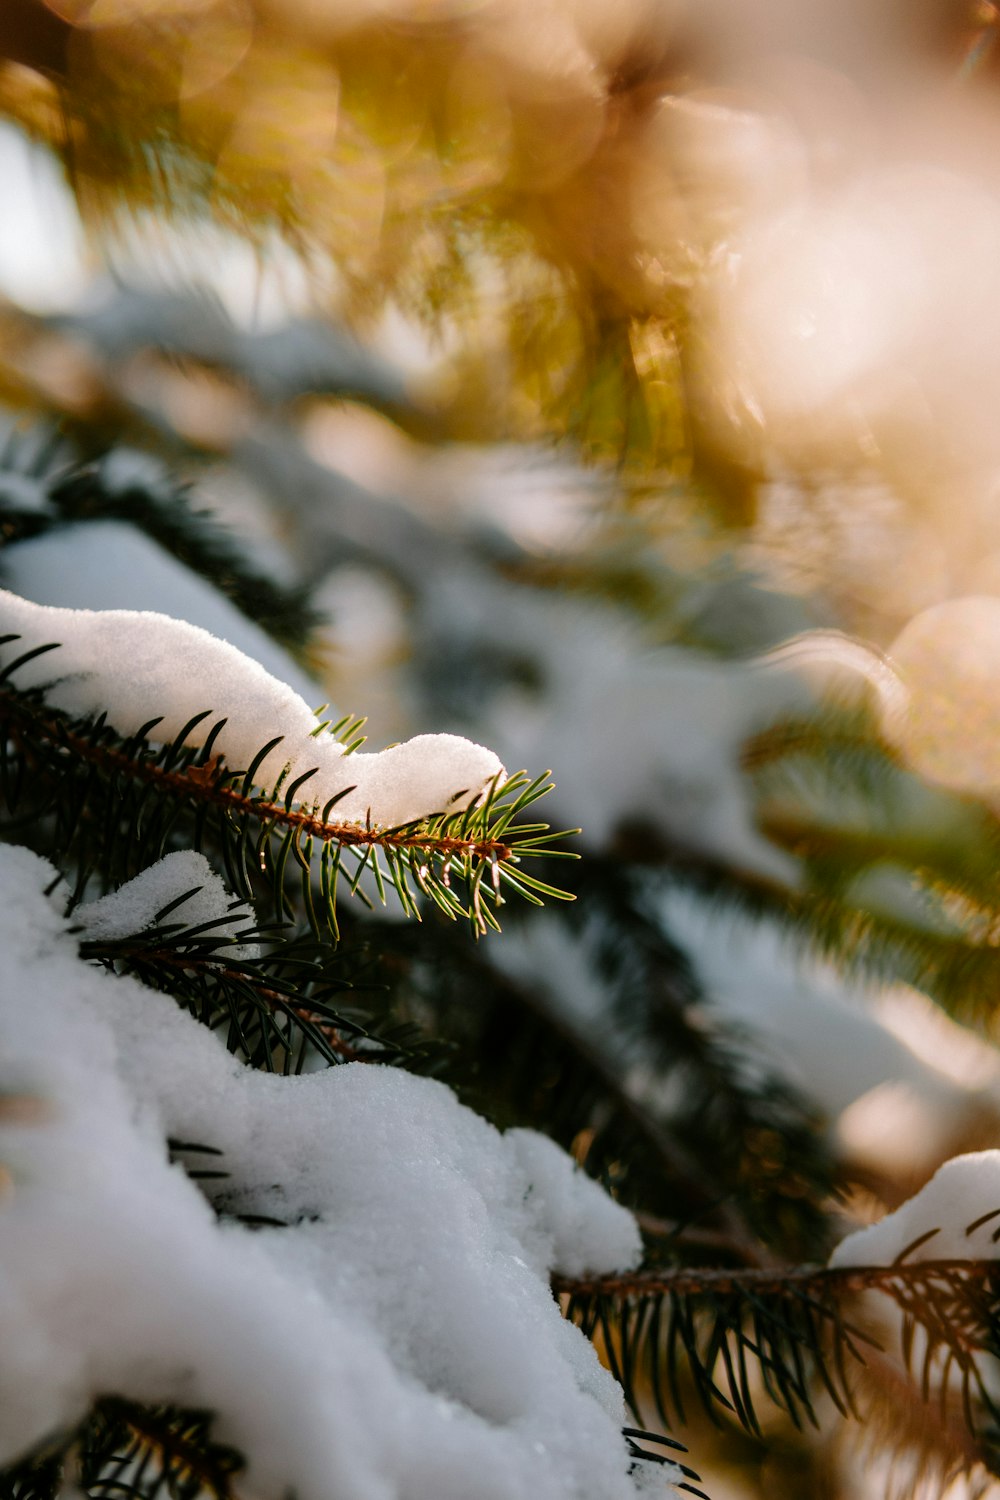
pixel 137 666
pixel 965 1191
pixel 135 906
pixel 560 1208
pixel 650 1475
pixel 397 1340
pixel 112 565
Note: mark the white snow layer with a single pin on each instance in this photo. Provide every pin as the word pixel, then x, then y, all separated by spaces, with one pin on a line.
pixel 965 1191
pixel 398 1341
pixel 112 565
pixel 137 666
pixel 134 907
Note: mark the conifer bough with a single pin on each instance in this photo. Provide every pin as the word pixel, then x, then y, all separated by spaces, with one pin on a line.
pixel 123 692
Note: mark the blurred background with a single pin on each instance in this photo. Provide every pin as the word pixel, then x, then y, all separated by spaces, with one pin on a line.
pixel 618 385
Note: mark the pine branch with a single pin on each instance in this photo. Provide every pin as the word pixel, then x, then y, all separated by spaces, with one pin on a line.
pixel 150 500
pixel 275 1008
pixel 787 1332
pixel 125 1451
pixel 928 1449
pixel 305 356
pixel 667 1147
pixel 635 1437
pixel 834 778
pixel 125 1441
pixel 809 1280
pixel 38 1477
pixel 116 802
pixel 127 144
pixel 959 966
pixel 841 800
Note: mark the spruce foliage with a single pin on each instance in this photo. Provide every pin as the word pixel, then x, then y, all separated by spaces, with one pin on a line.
pixel 734 1334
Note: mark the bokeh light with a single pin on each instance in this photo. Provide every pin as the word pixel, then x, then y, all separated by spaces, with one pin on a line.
pixel 949 660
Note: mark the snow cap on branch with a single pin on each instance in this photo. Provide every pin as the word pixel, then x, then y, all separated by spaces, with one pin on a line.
pixel 137 666
pixel 110 564
pixel 135 906
pixel 963 1193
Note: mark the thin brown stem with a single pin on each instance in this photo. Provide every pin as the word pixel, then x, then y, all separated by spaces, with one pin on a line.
pixel 764 1281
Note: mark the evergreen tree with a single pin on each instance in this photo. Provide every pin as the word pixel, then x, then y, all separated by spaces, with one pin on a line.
pixel 258 1234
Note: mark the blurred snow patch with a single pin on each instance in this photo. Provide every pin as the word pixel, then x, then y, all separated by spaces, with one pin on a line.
pixel 43 264
pixel 637 732
pixel 829 1037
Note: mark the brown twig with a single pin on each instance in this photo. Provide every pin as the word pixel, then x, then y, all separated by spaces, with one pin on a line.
pixel 764 1281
